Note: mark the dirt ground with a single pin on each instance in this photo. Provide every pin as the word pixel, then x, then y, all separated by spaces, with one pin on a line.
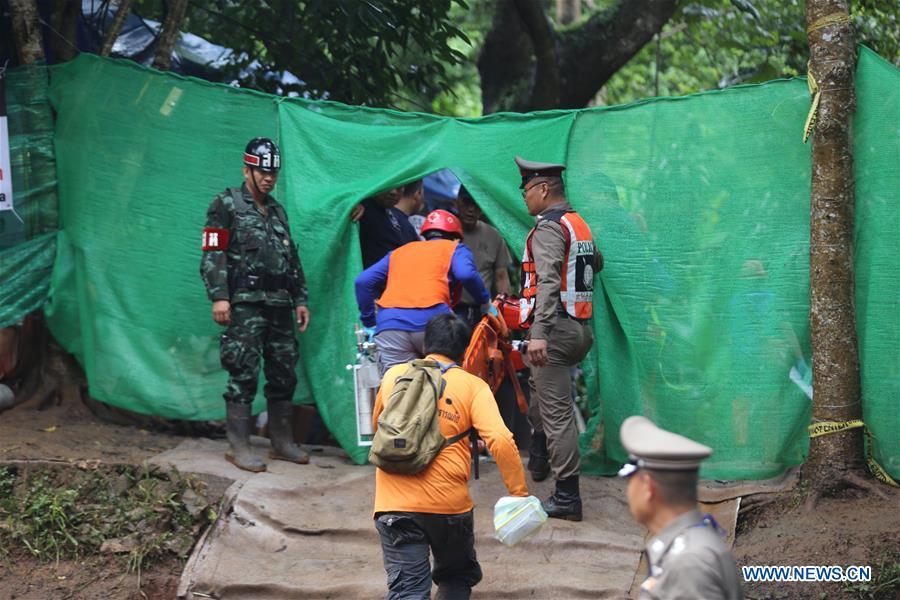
pixel 856 529
pixel 72 434
pixel 23 577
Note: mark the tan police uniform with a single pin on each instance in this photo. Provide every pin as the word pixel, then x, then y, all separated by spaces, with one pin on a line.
pixel 568 339
pixel 688 558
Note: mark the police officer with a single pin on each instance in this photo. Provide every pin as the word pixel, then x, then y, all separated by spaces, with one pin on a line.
pixel 556 304
pixel 255 281
pixel 687 556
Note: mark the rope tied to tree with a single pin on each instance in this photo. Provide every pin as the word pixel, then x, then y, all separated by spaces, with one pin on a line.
pixel 835 18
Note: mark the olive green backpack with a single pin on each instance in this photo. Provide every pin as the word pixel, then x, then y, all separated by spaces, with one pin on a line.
pixel 408 436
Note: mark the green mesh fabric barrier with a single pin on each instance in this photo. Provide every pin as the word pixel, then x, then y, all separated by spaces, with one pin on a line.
pixel 27 238
pixel 30 122
pixel 876 132
pixel 25 272
pixel 700 205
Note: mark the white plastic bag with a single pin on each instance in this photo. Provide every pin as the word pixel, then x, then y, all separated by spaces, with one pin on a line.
pixel 516 518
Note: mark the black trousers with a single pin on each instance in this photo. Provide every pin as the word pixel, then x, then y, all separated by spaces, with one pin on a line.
pixel 407 538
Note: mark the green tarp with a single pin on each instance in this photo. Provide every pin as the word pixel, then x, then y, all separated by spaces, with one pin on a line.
pixel 27 233
pixel 700 205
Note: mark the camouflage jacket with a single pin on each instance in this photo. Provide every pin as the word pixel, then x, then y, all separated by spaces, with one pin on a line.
pixel 246 253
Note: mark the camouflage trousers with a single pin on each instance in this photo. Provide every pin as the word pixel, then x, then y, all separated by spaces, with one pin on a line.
pixel 259 331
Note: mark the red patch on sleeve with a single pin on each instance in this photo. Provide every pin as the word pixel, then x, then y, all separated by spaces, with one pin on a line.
pixel 215 238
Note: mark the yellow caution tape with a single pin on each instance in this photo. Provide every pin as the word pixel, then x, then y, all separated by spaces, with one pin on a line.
pixel 835 18
pixel 879 473
pixel 814 108
pixel 826 427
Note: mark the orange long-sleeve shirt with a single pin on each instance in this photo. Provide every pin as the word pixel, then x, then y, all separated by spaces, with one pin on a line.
pixel 442 488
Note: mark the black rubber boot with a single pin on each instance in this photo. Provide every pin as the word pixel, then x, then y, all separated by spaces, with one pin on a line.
pixel 453 592
pixel 565 503
pixel 281 432
pixel 238 429
pixel 538 457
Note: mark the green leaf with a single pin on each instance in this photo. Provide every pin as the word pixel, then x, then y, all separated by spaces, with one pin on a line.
pixel 745 6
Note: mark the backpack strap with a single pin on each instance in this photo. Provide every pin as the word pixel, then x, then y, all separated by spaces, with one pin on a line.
pixel 282 216
pixel 237 196
pixel 459 436
pixel 470 432
pixel 444 367
pixel 240 206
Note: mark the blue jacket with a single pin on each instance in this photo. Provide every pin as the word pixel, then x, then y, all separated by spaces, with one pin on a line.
pixel 371 282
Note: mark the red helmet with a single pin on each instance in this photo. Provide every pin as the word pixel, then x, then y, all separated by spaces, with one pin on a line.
pixel 441 220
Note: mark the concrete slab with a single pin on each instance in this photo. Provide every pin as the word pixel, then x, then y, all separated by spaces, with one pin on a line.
pixel 306 531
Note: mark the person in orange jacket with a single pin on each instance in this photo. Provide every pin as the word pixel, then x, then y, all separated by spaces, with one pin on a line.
pixel 431 511
pixel 419 281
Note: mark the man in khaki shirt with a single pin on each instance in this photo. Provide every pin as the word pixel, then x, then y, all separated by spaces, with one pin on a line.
pixel 489 251
pixel 559 267
pixel 686 555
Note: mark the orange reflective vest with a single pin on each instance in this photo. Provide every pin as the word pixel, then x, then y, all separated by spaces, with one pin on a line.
pixel 576 290
pixel 417 275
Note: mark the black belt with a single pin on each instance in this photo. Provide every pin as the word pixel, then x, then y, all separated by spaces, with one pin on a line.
pixel 266 283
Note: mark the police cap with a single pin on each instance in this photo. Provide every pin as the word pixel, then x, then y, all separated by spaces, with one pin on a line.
pixel 650 447
pixel 530 169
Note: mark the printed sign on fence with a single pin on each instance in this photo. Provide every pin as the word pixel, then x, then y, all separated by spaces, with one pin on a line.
pixel 6 196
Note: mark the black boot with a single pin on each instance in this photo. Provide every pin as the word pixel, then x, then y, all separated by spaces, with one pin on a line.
pixel 538 457
pixel 565 503
pixel 281 432
pixel 238 429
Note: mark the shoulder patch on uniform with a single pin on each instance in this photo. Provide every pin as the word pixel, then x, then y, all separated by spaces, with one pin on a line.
pixel 215 238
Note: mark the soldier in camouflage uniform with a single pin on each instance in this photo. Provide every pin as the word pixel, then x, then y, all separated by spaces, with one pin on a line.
pixel 255 281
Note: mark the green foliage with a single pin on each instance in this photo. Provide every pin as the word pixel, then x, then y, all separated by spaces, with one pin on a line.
pixel 140 513
pixel 46 519
pixel 711 44
pixel 885 580
pixel 423 55
pixel 462 97
pixel 355 52
pixel 7 481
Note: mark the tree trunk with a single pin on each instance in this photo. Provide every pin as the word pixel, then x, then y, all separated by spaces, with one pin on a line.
pixel 835 355
pixel 525 64
pixel 109 38
pixel 63 19
pixel 27 31
pixel 568 11
pixel 169 34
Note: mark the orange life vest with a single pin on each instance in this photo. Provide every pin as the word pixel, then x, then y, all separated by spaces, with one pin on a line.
pixel 417 275
pixel 576 290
